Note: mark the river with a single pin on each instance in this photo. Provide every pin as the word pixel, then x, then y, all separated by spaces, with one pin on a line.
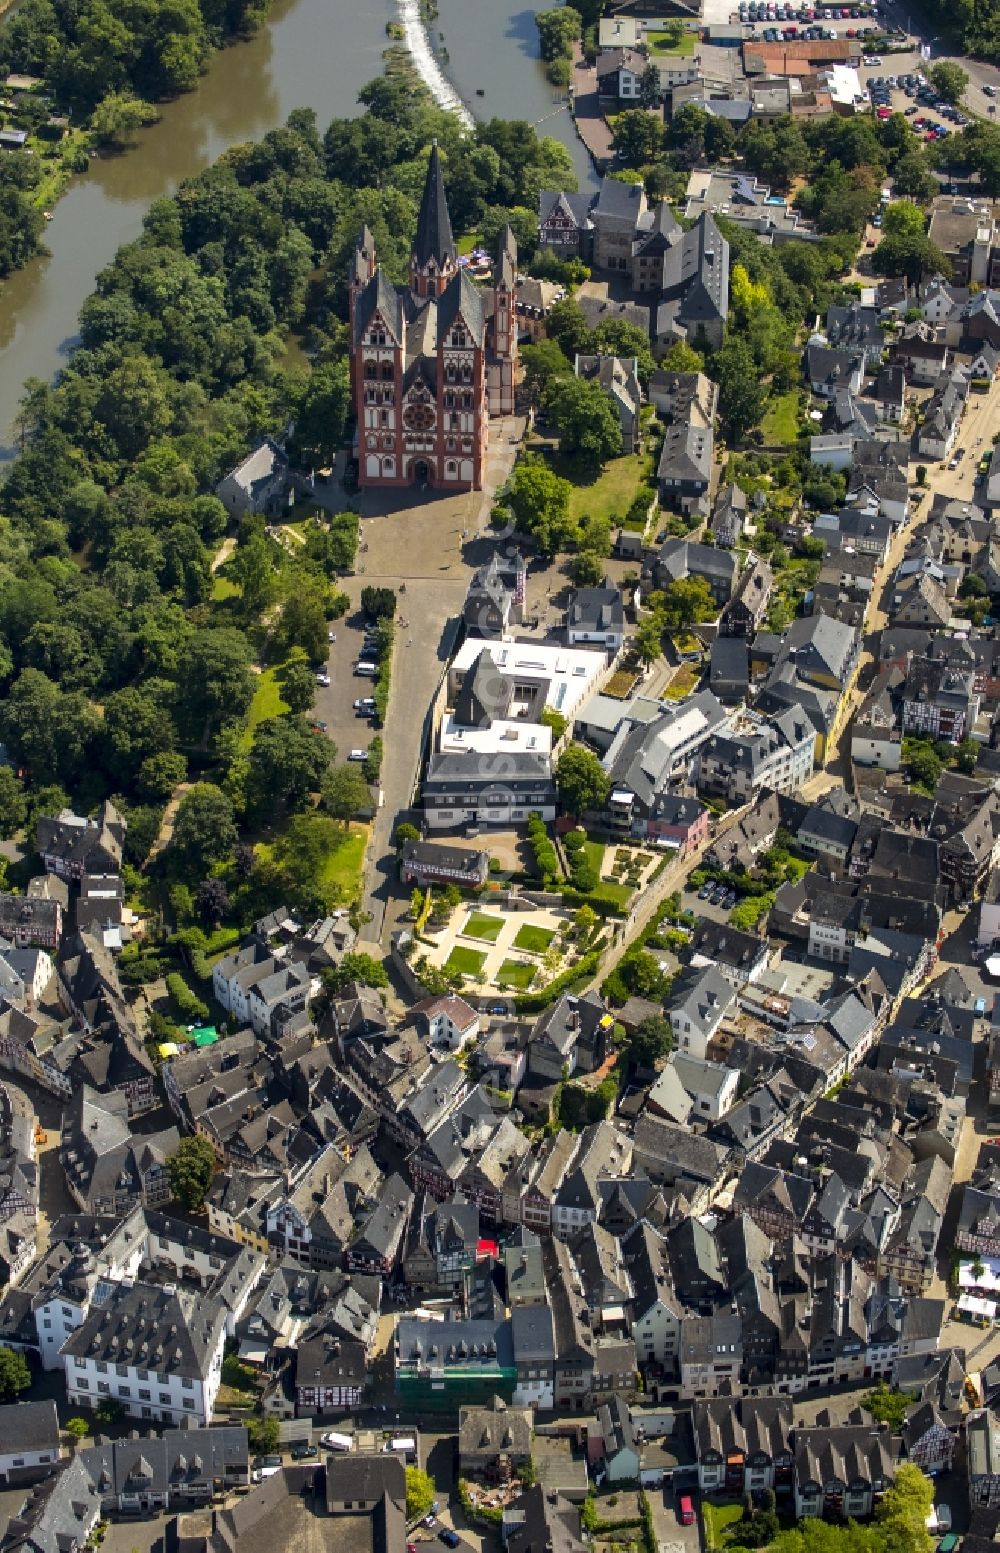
pixel 312 53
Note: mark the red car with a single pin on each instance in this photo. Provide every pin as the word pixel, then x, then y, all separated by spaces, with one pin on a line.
pixel 685 1510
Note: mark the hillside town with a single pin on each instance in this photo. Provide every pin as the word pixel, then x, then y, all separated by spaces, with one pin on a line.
pixel 500 790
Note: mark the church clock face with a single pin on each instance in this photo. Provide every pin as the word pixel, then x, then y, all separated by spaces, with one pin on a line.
pixel 418 417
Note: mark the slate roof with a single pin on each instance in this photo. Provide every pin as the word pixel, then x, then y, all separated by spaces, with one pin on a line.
pixel 434 238
pixel 176 1334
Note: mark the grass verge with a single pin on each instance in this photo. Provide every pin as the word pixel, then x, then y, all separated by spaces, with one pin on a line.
pixel 481 925
pixel 534 940
pixel 465 962
pixel 514 973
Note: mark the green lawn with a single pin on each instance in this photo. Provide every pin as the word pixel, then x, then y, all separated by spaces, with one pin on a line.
pixel 716 1518
pixel 222 588
pixel 594 853
pixel 266 702
pixel 611 494
pixel 465 962
pixel 781 419
pixel 344 867
pixel 657 40
pixel 534 940
pixel 514 973
pixel 481 925
pixel 620 894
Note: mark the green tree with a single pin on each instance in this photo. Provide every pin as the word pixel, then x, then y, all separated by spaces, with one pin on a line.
pixel 205 829
pixel 13 803
pixel 913 179
pixel 949 80
pixel 887 1405
pixel 160 774
pixel 542 362
pixel 298 686
pixel 378 603
pixel 617 337
pixel 638 136
pixel 539 501
pixel 254 569
pixel 967 756
pixel 214 681
pixel 682 357
pixel 264 1435
pixel 923 763
pixel 118 117
pixel 652 1040
pixel 586 569
pixel 49 731
pixel 420 1492
pixel 648 640
pixel 585 418
pixel 322 412
pixel 689 602
pixel 77 1428
pixel 403 833
pixel 15 1375
pixel 288 761
pixel 740 398
pixel 355 966
pixel 190 1170
pixel 777 151
pixel 905 248
pixel 583 783
pixel 567 325
pixel 345 792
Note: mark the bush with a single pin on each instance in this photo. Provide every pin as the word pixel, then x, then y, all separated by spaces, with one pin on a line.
pixel 544 853
pixel 577 975
pixel 373 761
pixel 188 1008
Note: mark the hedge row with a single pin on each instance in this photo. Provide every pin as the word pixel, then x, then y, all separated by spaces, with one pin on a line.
pixel 578 974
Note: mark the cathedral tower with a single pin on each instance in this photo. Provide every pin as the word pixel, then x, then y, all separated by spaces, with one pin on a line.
pixel 434 260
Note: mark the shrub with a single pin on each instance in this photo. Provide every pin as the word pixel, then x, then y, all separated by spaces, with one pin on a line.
pixel 188 1008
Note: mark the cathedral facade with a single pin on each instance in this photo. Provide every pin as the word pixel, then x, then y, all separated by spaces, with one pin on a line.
pixel 431 361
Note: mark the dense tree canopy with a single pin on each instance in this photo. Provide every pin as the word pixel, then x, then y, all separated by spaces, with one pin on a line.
pixel 125 662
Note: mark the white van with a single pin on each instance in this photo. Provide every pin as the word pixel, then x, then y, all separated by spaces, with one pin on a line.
pixel 370 670
pixel 336 1442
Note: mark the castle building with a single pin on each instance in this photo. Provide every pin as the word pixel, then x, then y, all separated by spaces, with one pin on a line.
pixel 431 361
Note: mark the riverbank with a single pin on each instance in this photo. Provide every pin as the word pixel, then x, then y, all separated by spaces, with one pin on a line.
pixel 248 89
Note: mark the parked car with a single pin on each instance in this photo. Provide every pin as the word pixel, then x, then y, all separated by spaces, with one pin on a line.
pixel 450 1538
pixel 304 1451
pixel 358 755
pixel 322 677
pixel 266 1467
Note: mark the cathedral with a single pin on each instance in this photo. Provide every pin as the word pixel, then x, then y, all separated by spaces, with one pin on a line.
pixel 431 361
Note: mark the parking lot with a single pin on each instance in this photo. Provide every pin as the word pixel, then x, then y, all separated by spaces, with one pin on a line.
pixel 714 909
pixel 334 704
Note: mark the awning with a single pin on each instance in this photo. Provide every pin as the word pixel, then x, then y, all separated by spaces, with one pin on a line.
pixel 970 1305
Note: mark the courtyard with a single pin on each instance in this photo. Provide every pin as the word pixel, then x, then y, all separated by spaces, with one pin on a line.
pixel 494 947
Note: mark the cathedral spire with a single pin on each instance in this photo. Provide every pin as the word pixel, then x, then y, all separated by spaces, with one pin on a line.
pixel 434 237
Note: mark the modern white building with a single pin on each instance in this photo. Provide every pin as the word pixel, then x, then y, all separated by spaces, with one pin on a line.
pixel 524 671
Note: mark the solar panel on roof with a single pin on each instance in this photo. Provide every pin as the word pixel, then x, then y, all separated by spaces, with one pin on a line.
pixel 744 191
